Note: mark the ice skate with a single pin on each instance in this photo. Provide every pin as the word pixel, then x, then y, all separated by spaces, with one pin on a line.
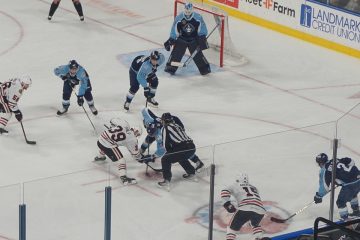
pixel 62 111
pixel 81 18
pixel 127 181
pixel 164 184
pixel 190 177
pixel 126 106
pixel 3 131
pixel 93 110
pixel 153 102
pixel 199 165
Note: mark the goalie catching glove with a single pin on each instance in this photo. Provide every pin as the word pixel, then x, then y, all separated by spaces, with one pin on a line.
pixel 168 44
pixel 229 207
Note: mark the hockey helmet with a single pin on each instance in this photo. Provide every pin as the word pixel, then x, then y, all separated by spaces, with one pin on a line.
pixel 155 55
pixel 73 64
pixel 167 118
pixel 188 10
pixel 117 122
pixel 321 158
pixel 25 80
pixel 242 178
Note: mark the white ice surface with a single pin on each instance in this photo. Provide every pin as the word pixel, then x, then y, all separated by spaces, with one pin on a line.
pixel 286 84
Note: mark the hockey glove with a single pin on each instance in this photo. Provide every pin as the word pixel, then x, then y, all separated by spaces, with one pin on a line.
pixel 147 92
pixel 80 101
pixel 18 115
pixel 168 44
pixel 64 77
pixel 317 198
pixel 202 42
pixel 148 158
pixel 229 207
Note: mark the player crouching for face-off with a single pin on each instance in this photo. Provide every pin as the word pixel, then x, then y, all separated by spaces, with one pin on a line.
pixel 10 93
pixel 188 31
pixel 74 74
pixel 249 207
pixel 143 72
pixel 119 134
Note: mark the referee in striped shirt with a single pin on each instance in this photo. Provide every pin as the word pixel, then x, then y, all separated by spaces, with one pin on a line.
pixel 179 148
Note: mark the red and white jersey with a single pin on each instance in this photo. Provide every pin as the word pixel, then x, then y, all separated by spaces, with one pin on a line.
pixel 117 136
pixel 10 93
pixel 246 196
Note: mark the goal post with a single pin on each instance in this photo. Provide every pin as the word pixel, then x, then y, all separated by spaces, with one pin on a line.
pixel 222 51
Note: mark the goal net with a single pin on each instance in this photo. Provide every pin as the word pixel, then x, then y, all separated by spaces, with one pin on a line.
pixel 222 51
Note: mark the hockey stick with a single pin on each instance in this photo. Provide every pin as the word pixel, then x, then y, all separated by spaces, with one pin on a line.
pixel 148 150
pixel 184 64
pixel 278 220
pixel 92 124
pixel 27 141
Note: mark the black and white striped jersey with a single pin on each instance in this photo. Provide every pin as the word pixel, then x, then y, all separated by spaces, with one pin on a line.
pixel 174 137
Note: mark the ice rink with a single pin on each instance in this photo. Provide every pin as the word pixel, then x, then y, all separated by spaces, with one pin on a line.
pixel 241 118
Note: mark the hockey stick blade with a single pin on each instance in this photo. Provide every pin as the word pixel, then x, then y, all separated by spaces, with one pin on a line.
pixel 154 169
pixel 31 142
pixel 278 220
pixel 177 64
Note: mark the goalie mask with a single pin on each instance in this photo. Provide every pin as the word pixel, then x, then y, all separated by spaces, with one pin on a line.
pixel 188 10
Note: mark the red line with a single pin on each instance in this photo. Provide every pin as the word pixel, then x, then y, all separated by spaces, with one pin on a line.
pixel 19 38
pixel 324 87
pixel 110 26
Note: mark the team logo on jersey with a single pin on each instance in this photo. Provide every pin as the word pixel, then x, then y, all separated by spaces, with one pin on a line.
pixel 189 28
pixel 222 218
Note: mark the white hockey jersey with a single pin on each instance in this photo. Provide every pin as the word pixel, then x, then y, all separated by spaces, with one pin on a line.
pixel 10 93
pixel 246 195
pixel 117 136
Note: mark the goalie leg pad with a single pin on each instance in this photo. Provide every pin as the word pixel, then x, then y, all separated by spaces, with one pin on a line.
pixel 200 60
pixel 176 55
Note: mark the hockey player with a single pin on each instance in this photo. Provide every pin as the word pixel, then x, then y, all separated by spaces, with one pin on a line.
pixel 143 72
pixel 188 31
pixel 347 176
pixel 178 146
pixel 153 125
pixel 77 5
pixel 119 134
pixel 249 207
pixel 10 93
pixel 72 74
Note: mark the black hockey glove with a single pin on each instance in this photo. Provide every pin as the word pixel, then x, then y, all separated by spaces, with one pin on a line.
pixel 317 198
pixel 229 207
pixel 168 44
pixel 147 92
pixel 18 115
pixel 80 100
pixel 202 42
pixel 148 158
pixel 64 77
pixel 151 77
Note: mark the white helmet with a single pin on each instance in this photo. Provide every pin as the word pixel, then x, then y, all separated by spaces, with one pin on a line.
pixel 26 80
pixel 115 122
pixel 242 178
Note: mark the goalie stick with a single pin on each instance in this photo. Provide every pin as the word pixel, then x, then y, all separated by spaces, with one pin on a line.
pixel 27 141
pixel 184 64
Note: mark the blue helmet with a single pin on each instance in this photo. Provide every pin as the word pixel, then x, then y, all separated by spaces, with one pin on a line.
pixel 321 158
pixel 188 10
pixel 155 55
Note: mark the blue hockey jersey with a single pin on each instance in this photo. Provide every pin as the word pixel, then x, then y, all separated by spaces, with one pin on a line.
pixel 81 77
pixel 188 29
pixel 142 66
